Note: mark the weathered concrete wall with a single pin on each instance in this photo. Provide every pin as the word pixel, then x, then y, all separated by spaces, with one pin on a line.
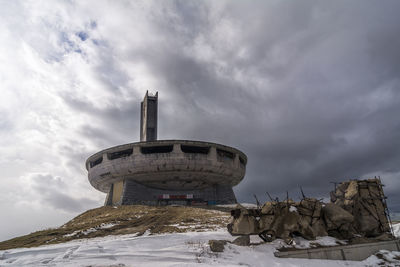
pixel 109 197
pixel 357 252
pixel 118 188
pixel 135 193
pixel 225 194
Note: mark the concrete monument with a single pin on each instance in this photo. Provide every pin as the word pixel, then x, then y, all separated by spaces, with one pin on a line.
pixel 160 172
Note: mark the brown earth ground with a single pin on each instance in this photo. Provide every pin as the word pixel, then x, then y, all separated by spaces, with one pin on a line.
pixel 126 220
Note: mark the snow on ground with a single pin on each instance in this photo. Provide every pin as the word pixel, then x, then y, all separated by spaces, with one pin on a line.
pixel 396 229
pixel 178 249
pixel 91 230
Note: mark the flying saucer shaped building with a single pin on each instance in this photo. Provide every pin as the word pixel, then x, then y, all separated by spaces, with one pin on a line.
pixel 155 172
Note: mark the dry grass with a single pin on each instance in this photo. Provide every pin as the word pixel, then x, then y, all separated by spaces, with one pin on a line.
pixel 125 220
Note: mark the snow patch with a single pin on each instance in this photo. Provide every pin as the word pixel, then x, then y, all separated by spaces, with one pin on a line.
pixel 72 234
pixel 91 230
pixel 383 258
pixel 292 208
pixel 147 233
pixel 107 225
pixel 396 229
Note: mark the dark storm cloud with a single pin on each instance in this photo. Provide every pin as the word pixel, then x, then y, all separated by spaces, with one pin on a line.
pixel 309 90
pixel 337 113
pixel 116 122
pixel 51 192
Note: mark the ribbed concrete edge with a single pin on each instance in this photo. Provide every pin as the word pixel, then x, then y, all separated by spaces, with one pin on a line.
pixel 357 252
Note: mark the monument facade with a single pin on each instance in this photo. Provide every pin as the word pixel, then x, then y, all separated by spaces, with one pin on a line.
pixel 161 172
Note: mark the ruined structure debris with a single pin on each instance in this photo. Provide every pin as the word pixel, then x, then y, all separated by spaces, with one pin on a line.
pixel 365 200
pixel 357 210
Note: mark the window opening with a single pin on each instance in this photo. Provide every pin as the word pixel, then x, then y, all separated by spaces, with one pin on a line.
pixel 96 162
pixel 156 149
pixel 195 149
pixel 120 154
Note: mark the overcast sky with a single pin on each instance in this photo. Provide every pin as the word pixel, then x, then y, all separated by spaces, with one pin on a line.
pixel 309 90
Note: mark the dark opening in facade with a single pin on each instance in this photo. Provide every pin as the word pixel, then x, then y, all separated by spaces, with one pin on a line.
pixel 120 154
pixel 156 149
pixel 223 155
pixel 195 149
pixel 96 162
pixel 242 162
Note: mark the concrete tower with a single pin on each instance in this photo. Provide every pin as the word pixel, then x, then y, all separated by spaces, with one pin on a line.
pixel 148 117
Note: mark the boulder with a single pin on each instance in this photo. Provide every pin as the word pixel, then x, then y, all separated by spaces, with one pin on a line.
pixel 243 240
pixel 217 245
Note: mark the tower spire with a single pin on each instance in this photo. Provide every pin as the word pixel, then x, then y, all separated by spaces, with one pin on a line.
pixel 148 117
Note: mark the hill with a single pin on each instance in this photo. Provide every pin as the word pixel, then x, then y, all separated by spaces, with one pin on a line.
pixel 135 219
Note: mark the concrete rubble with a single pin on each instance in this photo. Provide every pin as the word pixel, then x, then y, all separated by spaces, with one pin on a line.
pixel 357 211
